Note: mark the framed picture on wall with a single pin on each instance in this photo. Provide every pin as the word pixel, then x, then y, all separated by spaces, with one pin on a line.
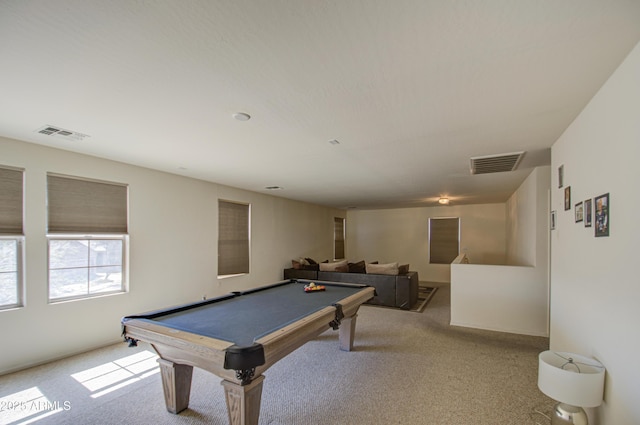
pixel 553 220
pixel 602 222
pixel 587 213
pixel 579 212
pixel 560 176
pixel 567 198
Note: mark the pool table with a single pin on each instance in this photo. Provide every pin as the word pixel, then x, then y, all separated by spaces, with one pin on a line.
pixel 240 335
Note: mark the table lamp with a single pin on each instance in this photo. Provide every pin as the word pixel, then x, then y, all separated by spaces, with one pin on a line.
pixel 574 381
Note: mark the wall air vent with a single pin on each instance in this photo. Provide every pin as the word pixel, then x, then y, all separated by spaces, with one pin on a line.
pixel 50 130
pixel 496 163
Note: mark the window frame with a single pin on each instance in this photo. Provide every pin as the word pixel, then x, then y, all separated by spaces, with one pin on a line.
pixel 12 225
pixel 20 242
pixel 124 283
pixel 85 209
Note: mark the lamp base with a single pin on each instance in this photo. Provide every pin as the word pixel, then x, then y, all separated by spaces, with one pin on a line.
pixel 566 414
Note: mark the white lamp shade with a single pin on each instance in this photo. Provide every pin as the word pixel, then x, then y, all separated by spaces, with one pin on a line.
pixel 560 379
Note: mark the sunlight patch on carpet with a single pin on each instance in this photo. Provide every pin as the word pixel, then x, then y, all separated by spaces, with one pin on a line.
pixel 110 376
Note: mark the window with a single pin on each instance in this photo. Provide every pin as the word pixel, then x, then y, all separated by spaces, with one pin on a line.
pixel 83 266
pixel 11 272
pixel 11 237
pixel 338 238
pixel 444 237
pixel 87 237
pixel 233 238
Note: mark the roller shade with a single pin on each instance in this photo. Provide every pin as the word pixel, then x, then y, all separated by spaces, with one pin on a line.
pixel 76 205
pixel 233 238
pixel 443 240
pixel 338 237
pixel 11 201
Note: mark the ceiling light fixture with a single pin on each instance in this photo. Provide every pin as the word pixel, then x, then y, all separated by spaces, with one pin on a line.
pixel 444 201
pixel 242 116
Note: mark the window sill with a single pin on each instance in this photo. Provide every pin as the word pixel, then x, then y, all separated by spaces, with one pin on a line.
pixel 227 276
pixel 85 297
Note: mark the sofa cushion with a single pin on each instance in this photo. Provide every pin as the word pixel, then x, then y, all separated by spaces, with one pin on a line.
pixel 403 269
pixel 388 269
pixel 336 266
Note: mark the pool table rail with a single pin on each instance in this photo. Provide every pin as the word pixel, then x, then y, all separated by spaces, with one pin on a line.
pixel 182 347
pixel 287 339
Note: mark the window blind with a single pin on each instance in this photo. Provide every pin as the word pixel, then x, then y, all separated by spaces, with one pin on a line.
pixel 11 200
pixel 77 205
pixel 443 240
pixel 338 237
pixel 233 238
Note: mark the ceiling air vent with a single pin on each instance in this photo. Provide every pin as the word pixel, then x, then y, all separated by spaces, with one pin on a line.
pixel 495 163
pixel 50 130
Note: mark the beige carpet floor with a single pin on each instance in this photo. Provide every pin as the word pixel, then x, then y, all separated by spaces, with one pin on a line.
pixel 406 368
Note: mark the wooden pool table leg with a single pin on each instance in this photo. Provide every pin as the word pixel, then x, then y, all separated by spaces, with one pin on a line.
pixel 347 332
pixel 176 383
pixel 243 401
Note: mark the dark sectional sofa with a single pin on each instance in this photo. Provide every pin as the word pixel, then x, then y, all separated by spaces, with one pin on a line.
pixel 399 291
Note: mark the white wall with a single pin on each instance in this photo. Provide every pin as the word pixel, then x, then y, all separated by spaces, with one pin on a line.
pixel 527 221
pixel 173 256
pixel 499 298
pixel 511 298
pixel 402 235
pixel 595 288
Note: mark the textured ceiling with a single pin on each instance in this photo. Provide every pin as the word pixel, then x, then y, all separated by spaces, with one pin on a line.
pixel 410 89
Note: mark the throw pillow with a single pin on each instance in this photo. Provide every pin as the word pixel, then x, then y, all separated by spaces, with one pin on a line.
pixel 331 267
pixel 389 269
pixel 359 267
pixel 403 269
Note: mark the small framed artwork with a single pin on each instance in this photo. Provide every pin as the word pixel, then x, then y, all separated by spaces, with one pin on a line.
pixel 567 198
pixel 579 212
pixel 587 213
pixel 601 213
pixel 553 220
pixel 560 176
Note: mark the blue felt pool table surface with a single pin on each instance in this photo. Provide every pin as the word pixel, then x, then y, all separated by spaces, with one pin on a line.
pixel 243 317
